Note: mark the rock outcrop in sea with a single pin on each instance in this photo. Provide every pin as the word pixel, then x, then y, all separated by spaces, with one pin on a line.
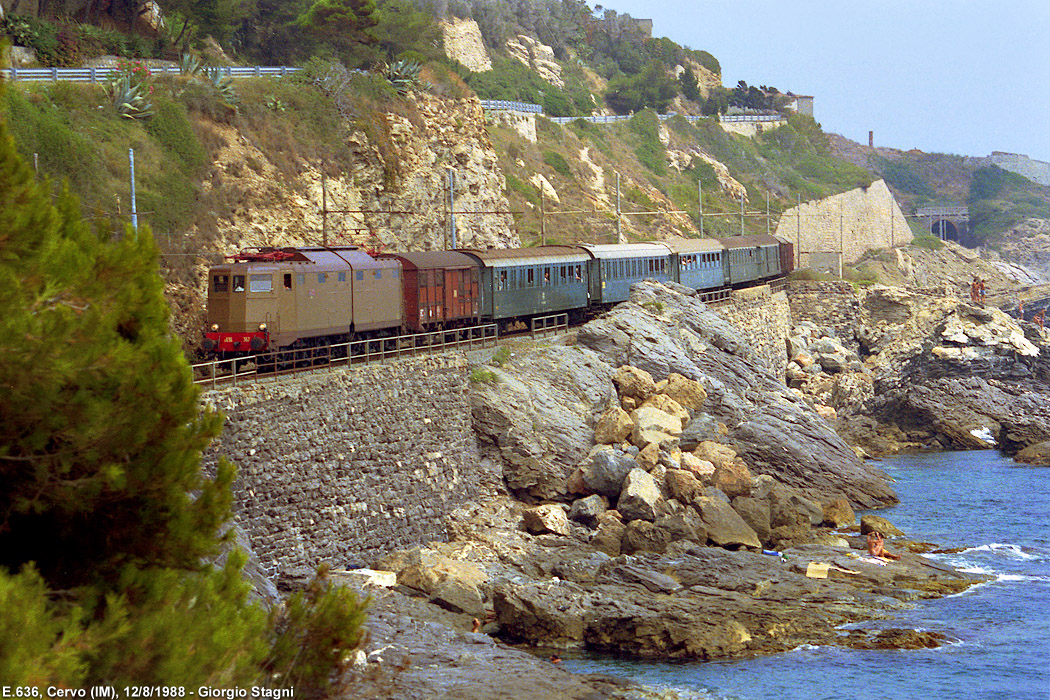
pixel 666 498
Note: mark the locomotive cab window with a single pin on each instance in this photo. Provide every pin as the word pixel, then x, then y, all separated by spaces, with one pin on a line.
pixel 238 283
pixel 260 283
pixel 221 283
pixel 288 280
pixel 322 277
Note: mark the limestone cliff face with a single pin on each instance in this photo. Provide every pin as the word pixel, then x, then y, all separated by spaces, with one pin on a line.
pixel 449 135
pixel 1029 244
pixel 464 43
pixel 851 223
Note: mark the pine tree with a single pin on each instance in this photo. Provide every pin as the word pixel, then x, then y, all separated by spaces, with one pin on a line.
pixel 100 430
pixel 105 518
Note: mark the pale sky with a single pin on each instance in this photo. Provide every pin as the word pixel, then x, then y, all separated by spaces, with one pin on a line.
pixel 966 76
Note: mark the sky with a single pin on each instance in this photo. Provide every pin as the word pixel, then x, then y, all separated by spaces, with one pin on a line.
pixel 950 76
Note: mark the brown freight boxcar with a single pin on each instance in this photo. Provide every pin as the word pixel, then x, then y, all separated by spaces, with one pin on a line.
pixel 440 289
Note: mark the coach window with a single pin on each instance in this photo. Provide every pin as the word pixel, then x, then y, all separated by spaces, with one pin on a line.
pixel 532 277
pixel 578 275
pixel 501 282
pixel 322 277
pixel 221 283
pixel 546 277
pixel 260 283
pixel 288 280
pixel 238 283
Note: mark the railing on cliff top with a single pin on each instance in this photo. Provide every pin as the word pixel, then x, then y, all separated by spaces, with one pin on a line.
pixel 101 74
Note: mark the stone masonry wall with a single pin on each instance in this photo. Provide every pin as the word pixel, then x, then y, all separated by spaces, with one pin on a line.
pixel 1035 170
pixel 764 318
pixel 834 305
pixel 851 223
pixel 342 465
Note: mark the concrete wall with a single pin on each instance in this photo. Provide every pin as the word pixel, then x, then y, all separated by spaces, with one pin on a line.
pixel 341 465
pixel 850 223
pixel 764 318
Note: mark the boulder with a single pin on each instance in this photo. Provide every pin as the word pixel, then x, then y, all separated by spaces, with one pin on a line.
pixel 541 612
pixel 427 571
pixel 639 497
pixel 838 513
pixel 682 485
pixel 702 427
pixel 715 452
pixel 665 403
pixel 649 456
pixel 873 523
pixel 459 596
pixel 701 468
pixel 644 536
pixel 609 534
pixel 1038 453
pixel 606 470
pixel 550 518
pixel 647 418
pixel 833 363
pixel 684 526
pixel 786 506
pixel 613 427
pixel 586 510
pixel 755 513
pixel 733 478
pixel 688 393
pixel 634 383
pixel 724 526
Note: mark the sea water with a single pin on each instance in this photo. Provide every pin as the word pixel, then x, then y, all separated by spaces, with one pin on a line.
pixel 998 513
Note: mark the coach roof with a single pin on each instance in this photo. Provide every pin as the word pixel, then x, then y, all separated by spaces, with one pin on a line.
pixel 540 255
pixel 613 251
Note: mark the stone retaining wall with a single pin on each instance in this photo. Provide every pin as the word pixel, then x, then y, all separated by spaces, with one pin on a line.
pixel 764 317
pixel 342 465
pixel 834 305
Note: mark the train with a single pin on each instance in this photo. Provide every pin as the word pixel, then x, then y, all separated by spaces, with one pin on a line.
pixel 271 299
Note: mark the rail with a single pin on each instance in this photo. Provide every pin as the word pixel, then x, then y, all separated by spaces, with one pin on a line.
pixel 98 74
pixel 283 362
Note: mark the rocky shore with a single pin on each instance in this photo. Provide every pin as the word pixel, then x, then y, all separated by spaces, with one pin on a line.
pixel 665 497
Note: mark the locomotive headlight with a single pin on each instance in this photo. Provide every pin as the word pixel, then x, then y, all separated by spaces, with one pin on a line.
pixel 215 328
pixel 262 327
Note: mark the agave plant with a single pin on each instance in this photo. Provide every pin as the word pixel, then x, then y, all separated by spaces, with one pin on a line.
pixel 190 65
pixel 224 84
pixel 404 76
pixel 132 100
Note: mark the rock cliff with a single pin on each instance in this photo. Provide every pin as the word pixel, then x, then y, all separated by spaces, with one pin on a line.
pixel 441 135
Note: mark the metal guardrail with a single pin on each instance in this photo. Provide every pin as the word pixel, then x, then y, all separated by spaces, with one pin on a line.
pixel 549 325
pixel 291 361
pixel 95 75
pixel 751 118
pixel 605 119
pixel 509 106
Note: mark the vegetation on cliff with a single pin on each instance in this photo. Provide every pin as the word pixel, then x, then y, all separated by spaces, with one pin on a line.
pixel 106 522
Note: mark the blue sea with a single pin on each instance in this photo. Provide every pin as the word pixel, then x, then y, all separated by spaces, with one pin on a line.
pixel 998 511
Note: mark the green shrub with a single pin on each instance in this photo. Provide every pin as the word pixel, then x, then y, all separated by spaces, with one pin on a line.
pixel 649 151
pixel 502 356
pixel 927 242
pixel 482 375
pixel 558 163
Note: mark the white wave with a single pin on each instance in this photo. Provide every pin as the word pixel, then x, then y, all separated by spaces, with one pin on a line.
pixel 1010 550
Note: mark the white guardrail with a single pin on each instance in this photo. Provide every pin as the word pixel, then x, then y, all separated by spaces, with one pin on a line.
pixel 100 74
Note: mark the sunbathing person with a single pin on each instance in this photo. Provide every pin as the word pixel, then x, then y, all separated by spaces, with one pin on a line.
pixel 877 546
